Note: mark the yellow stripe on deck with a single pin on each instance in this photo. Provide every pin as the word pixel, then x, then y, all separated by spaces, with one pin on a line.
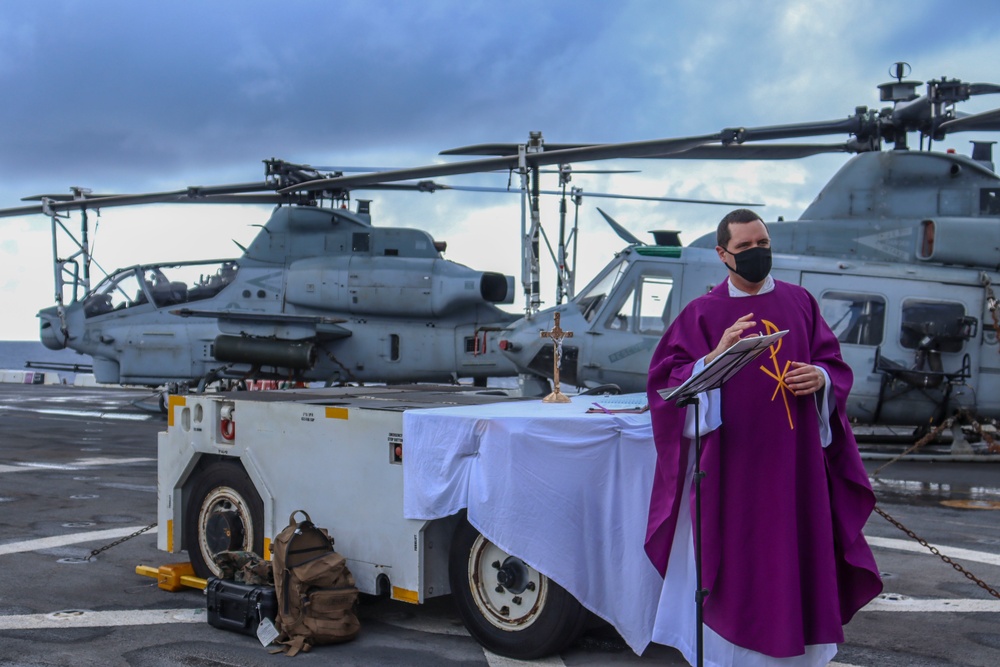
pixel 336 413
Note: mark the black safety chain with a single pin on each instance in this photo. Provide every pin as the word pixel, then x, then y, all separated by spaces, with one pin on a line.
pixel 968 575
pixel 992 444
pixel 350 375
pixel 117 542
pixel 935 432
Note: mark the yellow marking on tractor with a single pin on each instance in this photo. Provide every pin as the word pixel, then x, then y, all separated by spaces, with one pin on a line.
pixel 404 595
pixel 336 413
pixel 174 400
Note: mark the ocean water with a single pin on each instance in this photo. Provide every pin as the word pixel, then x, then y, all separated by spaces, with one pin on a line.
pixel 15 353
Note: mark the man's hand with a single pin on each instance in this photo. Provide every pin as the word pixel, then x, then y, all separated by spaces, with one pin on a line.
pixel 804 379
pixel 731 335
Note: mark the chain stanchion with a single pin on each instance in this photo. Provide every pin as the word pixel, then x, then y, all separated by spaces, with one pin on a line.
pixel 968 575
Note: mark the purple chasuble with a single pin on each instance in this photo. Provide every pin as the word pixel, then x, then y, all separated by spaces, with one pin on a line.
pixel 784 559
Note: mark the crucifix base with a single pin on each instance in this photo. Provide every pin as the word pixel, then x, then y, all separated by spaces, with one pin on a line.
pixel 556 397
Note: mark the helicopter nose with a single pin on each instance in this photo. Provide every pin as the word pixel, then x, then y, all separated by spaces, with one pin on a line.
pixel 49 330
pixel 521 342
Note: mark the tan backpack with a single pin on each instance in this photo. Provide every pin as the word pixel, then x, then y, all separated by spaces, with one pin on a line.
pixel 315 590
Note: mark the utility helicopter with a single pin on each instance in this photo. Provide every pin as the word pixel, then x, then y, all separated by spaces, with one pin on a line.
pixel 321 294
pixel 901 249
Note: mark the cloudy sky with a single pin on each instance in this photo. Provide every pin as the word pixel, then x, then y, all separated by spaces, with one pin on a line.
pixel 129 96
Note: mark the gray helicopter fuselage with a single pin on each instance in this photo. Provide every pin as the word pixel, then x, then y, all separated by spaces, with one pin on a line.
pixel 320 294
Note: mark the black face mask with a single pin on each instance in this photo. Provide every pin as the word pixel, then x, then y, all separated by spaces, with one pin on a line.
pixel 753 264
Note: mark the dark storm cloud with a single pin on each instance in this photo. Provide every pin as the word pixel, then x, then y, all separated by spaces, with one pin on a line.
pixel 120 88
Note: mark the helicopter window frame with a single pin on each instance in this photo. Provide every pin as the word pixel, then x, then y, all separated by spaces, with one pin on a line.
pixel 845 310
pixel 989 202
pixel 361 242
pixel 592 299
pixel 951 316
pixel 650 301
pixel 170 284
pixel 622 318
pixel 642 310
pixel 114 293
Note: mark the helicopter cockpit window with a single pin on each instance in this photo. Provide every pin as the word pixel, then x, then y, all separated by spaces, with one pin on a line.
pixel 116 292
pixel 171 284
pixel 646 313
pixel 654 303
pixel 989 201
pixel 935 325
pixel 856 319
pixel 591 299
pixel 620 319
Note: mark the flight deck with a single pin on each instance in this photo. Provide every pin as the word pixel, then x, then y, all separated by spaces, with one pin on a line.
pixel 78 476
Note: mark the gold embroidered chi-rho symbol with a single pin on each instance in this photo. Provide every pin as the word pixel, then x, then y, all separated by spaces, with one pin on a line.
pixel 778 372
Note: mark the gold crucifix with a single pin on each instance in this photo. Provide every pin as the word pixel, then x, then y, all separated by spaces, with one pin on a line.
pixel 557 335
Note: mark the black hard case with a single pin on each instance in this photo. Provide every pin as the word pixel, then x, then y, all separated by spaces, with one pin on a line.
pixel 239 607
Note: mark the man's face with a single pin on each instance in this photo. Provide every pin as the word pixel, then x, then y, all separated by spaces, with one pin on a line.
pixel 745 235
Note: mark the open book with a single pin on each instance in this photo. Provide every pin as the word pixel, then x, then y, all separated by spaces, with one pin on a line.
pixel 620 403
pixel 723 367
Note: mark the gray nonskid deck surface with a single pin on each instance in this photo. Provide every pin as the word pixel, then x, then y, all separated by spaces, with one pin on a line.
pixel 78 471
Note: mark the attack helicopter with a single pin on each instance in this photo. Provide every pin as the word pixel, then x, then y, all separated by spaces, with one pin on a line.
pixel 901 249
pixel 321 294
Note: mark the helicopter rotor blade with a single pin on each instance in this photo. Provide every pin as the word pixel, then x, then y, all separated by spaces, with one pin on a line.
pixel 707 152
pixel 985 121
pixel 239 193
pixel 484 188
pixel 983 88
pixel 543 171
pixel 862 124
pixel 623 233
pixel 584 154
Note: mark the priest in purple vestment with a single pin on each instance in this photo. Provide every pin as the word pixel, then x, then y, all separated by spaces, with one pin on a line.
pixel 785 495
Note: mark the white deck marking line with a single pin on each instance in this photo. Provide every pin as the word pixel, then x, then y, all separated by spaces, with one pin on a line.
pixel 840 664
pixel 79 464
pixel 75 538
pixel 903 603
pixel 81 413
pixel 494 660
pixel 951 552
pixel 101 619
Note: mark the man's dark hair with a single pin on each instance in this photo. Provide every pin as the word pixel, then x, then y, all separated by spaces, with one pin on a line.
pixel 740 215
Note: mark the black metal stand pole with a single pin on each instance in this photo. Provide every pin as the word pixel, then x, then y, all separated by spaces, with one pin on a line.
pixel 699 593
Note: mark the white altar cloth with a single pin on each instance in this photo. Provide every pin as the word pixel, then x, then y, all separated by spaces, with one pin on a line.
pixel 565 491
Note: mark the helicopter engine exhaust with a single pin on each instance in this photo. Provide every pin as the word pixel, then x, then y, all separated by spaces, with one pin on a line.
pixel 263 352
